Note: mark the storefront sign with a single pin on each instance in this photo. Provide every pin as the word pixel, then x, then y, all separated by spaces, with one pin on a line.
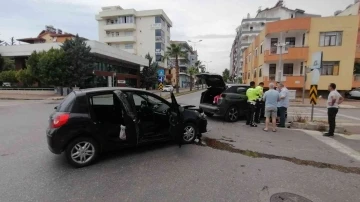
pixel 121 81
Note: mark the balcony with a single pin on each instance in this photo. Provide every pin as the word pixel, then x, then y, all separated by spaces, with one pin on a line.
pixel 159 39
pixel 131 50
pixel 288 25
pixel 119 39
pixel 127 26
pixel 293 53
pixel 289 80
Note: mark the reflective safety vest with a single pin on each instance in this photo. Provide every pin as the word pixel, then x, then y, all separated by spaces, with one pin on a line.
pixel 252 94
pixel 260 91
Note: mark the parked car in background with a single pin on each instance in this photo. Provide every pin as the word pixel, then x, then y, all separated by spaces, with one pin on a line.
pixel 168 88
pixel 91 121
pixel 6 84
pixel 226 100
pixel 354 93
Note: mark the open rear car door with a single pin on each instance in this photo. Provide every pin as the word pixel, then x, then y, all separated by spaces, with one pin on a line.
pixel 129 116
pixel 176 120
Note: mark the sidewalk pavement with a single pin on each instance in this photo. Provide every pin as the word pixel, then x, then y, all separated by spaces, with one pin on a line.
pixel 321 103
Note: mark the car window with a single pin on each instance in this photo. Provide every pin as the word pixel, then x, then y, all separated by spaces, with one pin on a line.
pixel 106 99
pixel 241 90
pixel 231 89
pixel 67 103
pixel 138 99
pixel 80 105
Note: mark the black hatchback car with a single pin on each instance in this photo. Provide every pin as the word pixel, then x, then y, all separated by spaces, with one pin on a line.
pixel 91 121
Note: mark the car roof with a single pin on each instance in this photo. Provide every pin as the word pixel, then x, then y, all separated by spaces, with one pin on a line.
pixel 238 85
pixel 96 90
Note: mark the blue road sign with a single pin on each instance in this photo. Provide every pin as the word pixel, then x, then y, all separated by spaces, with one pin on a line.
pixel 161 73
pixel 161 79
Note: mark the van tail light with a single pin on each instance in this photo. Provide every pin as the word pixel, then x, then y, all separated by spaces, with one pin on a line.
pixel 60 120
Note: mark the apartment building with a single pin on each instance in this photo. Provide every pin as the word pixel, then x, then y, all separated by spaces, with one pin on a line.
pixel 352 9
pixel 251 27
pixel 184 65
pixel 136 32
pixel 337 37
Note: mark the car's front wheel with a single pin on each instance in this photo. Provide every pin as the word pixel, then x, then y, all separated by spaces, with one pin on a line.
pixel 82 152
pixel 232 114
pixel 189 133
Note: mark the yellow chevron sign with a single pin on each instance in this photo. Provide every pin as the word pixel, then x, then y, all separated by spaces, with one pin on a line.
pixel 313 94
pixel 160 87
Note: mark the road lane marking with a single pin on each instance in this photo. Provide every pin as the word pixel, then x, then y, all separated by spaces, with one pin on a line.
pixel 342 115
pixel 334 144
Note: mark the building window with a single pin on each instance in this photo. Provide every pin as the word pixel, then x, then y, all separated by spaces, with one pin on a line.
pixel 288 69
pixel 248 75
pixel 292 16
pixel 330 39
pixel 290 41
pixel 129 19
pixel 158 58
pixel 273 45
pixel 330 68
pixel 251 28
pixel 303 40
pixel 159 32
pixel 260 72
pixel 129 46
pixel 261 48
pixel 159 46
pixel 272 69
pixel 159 19
pixel 128 33
pixel 301 68
pixel 256 52
pixel 254 73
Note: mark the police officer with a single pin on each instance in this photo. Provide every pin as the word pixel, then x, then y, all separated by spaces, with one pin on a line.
pixel 259 102
pixel 252 94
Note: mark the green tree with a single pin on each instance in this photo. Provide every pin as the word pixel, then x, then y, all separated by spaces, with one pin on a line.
pixel 192 71
pixel 78 59
pixel 8 76
pixel 239 80
pixel 32 66
pixel 2 61
pixel 148 76
pixel 6 64
pixel 52 68
pixel 226 75
pixel 176 51
pixel 24 76
pixel 201 68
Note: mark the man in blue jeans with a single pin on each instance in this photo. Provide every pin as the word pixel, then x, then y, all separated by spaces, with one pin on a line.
pixel 283 104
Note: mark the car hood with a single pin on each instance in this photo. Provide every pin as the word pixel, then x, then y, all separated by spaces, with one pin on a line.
pixel 212 80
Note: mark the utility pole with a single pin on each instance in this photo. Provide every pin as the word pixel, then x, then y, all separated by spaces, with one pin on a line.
pixel 280 45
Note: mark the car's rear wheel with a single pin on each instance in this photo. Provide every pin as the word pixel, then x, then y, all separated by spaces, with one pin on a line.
pixel 209 114
pixel 82 152
pixel 232 114
pixel 189 133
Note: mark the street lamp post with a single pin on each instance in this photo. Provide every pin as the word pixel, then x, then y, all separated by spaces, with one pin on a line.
pixel 194 43
pixel 281 46
pixel 207 64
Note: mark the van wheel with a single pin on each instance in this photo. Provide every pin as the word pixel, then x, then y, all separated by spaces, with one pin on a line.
pixel 208 114
pixel 190 132
pixel 232 114
pixel 82 152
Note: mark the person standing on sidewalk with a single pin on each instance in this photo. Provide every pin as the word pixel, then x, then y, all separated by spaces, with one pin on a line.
pixel 333 101
pixel 252 95
pixel 283 104
pixel 259 102
pixel 271 98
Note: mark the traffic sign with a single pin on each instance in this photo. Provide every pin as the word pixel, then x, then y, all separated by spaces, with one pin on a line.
pixel 160 87
pixel 161 79
pixel 161 72
pixel 313 94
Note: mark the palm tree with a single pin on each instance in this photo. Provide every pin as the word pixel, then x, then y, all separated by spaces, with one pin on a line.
pixel 176 51
pixel 201 68
pixel 192 71
pixel 149 58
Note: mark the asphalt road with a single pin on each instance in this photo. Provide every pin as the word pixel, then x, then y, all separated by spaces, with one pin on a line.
pixel 235 163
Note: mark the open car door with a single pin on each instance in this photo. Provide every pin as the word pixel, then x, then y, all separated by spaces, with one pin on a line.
pixel 176 120
pixel 129 116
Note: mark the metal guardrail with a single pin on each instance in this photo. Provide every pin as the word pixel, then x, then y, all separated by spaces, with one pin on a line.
pixel 32 89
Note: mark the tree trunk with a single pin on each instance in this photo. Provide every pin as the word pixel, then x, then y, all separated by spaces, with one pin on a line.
pixel 191 83
pixel 177 73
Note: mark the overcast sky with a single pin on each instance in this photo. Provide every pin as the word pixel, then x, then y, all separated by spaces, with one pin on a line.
pixel 213 21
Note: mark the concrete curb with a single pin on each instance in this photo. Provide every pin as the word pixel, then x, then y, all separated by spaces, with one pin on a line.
pixel 316 126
